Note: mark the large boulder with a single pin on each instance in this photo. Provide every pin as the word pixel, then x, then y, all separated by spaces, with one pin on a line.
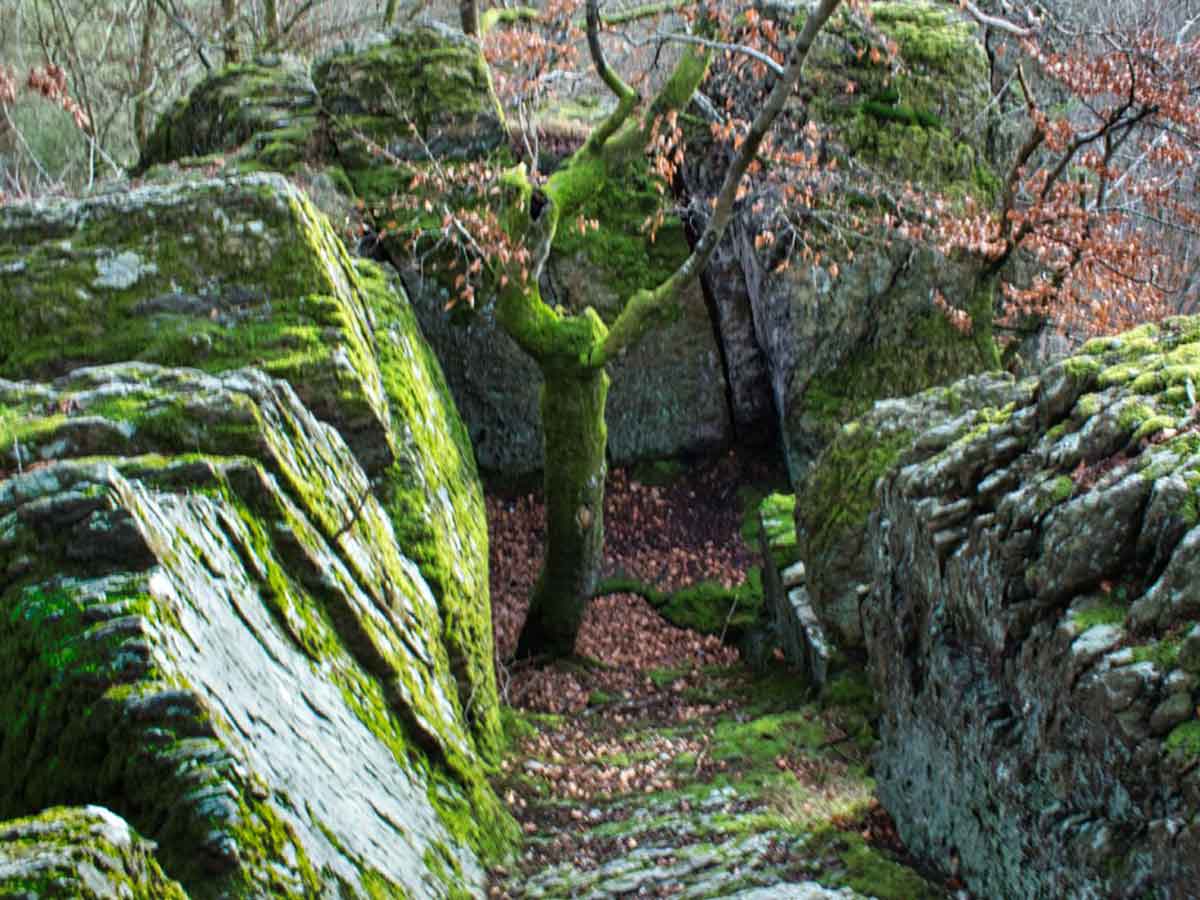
pixel 269 105
pixel 386 106
pixel 245 609
pixel 837 494
pixel 219 274
pixel 1031 629
pixel 819 350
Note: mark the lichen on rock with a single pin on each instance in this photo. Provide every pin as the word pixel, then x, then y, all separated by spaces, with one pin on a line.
pixel 1032 573
pixel 222 586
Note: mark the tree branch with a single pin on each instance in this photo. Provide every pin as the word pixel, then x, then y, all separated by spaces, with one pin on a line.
pixel 646 306
pixel 627 97
pixel 995 22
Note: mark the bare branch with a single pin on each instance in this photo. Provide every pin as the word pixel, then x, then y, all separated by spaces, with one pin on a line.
pixel 996 22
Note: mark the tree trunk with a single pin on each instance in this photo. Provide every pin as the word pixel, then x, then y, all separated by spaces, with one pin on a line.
pixel 229 33
pixel 982 310
pixel 468 13
pixel 271 14
pixel 576 438
pixel 145 74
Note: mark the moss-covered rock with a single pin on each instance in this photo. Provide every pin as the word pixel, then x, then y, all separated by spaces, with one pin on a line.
pixel 211 274
pixel 207 614
pixel 269 108
pixel 836 496
pixel 220 274
pixel 1030 626
pixel 80 853
pixel 830 347
pixel 372 529
pixel 417 91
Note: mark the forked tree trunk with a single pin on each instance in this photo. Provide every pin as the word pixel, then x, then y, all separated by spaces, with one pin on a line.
pixel 575 440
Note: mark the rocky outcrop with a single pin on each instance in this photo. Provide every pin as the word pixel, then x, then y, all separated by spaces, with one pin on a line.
pixel 246 608
pixel 80 853
pixel 836 497
pixel 820 350
pixel 1031 628
pixel 267 108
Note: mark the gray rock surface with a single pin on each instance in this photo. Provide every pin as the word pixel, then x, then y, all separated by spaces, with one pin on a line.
pixel 79 853
pixel 246 610
pixel 1034 574
pixel 233 655
pixel 836 496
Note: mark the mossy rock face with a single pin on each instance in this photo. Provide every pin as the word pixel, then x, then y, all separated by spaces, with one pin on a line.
pixel 417 91
pixel 211 629
pixel 830 347
pixel 80 853
pixel 211 274
pixel 907 119
pixel 837 494
pixel 221 274
pixel 1032 573
pixel 270 104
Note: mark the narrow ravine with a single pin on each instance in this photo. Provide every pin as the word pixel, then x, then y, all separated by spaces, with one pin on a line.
pixel 658 764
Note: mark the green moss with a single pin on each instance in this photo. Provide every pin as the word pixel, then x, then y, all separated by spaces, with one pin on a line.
pixel 869 871
pixel 1163 654
pixel 914 114
pixel 1101 614
pixel 707 607
pixel 932 352
pixel 1153 426
pixel 838 495
pixel 1184 739
pixel 434 499
pixel 1133 416
pixel 622 201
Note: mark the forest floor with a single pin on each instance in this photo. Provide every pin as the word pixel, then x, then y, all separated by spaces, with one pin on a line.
pixel 656 763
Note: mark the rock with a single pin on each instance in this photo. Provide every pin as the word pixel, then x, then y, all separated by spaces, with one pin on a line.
pixel 790 623
pixel 416 91
pixel 834 500
pixel 222 583
pixel 85 853
pixel 1032 575
pixel 269 107
pixel 217 621
pixel 213 274
pixel 265 282
pixel 828 348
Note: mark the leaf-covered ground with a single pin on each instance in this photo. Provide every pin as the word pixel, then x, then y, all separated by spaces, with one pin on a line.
pixel 656 764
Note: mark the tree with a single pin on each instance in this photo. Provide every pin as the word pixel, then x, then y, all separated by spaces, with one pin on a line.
pixel 512 240
pixel 1097 192
pixel 1126 95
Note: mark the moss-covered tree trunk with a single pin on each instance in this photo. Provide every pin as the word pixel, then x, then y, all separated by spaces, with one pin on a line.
pixel 575 440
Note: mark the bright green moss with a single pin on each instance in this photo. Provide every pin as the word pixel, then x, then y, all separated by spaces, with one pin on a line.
pixel 838 494
pixel 1184 739
pixel 1101 614
pixel 1163 654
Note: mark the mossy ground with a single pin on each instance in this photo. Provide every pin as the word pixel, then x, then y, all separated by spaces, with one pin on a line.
pixel 721 781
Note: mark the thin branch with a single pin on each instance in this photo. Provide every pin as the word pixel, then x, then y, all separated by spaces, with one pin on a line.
pixel 996 22
pixel 627 97
pixel 644 307
pixel 196 43
pixel 673 37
